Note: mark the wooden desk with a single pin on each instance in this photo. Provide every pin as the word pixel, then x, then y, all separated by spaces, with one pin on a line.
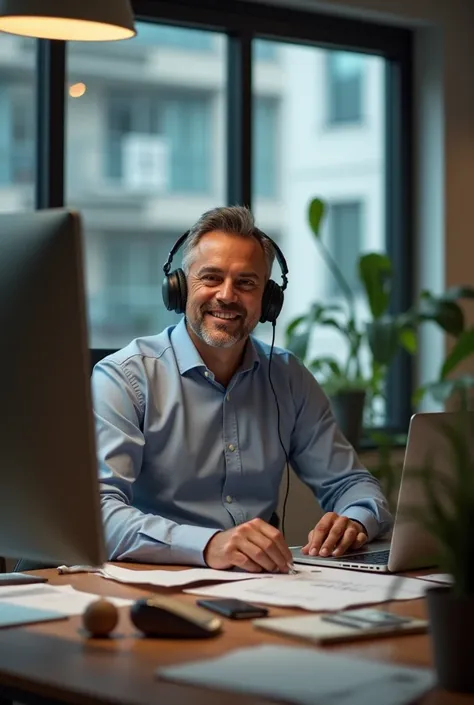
pixel 56 661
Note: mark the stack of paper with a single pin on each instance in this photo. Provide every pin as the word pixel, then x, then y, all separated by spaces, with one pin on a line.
pixel 328 589
pixel 305 676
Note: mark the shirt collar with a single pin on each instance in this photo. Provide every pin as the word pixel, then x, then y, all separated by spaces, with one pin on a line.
pixel 185 351
pixel 188 357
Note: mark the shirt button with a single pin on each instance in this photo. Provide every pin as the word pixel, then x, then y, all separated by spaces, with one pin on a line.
pixel 228 499
pixel 231 447
pixel 228 397
pixel 206 374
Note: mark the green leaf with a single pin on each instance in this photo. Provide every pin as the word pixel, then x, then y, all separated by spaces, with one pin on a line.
pixel 383 337
pixel 293 325
pixel 463 349
pixel 408 340
pixel 447 314
pixel 325 364
pixel 458 292
pixel 315 215
pixel 375 271
pixel 298 344
pixel 419 394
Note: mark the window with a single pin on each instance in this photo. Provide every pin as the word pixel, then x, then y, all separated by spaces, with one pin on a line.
pixel 165 133
pixel 345 89
pixel 125 297
pixel 266 148
pixel 181 119
pixel 17 123
pixel 145 158
pixel 345 242
pixel 265 50
pixel 346 168
pixel 175 37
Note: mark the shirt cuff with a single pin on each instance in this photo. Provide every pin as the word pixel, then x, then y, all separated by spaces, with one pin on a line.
pixel 188 543
pixel 366 518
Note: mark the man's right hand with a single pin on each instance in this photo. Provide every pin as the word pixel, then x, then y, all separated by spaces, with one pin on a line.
pixel 254 546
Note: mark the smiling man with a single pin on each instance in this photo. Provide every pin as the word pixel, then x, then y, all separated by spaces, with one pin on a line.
pixel 188 431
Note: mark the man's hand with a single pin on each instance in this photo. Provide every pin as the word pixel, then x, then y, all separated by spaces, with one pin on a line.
pixel 334 535
pixel 253 546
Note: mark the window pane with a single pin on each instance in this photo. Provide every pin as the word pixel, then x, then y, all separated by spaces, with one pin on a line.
pixel 345 85
pixel 17 122
pixel 145 158
pixel 265 130
pixel 344 167
pixel 345 242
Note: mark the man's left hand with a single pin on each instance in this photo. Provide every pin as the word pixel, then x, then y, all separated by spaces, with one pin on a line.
pixel 333 535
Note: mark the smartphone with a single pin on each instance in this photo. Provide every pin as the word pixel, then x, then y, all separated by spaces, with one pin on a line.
pixel 232 608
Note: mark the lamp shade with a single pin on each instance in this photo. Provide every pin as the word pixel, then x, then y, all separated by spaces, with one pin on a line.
pixel 68 20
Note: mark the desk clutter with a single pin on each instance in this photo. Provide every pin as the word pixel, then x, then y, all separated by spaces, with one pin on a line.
pixel 291 673
pixel 314 589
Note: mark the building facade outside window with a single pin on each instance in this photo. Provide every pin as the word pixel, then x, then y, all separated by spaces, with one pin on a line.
pixel 345 87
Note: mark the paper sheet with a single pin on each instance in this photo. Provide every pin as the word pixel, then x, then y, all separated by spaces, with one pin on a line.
pixel 328 589
pixel 15 615
pixel 63 599
pixel 173 578
pixel 305 676
pixel 438 578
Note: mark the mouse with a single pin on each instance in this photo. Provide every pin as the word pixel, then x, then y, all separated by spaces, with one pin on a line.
pixel 161 616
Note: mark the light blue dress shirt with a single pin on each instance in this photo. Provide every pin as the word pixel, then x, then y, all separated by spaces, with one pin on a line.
pixel 181 457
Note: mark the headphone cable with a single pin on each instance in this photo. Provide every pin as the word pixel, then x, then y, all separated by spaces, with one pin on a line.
pixel 279 433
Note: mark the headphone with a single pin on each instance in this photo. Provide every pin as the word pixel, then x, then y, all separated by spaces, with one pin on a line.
pixel 175 290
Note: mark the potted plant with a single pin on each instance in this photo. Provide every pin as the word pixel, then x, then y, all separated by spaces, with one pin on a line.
pixel 350 385
pixel 448 515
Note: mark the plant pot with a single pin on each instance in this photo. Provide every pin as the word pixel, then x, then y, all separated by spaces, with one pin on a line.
pixel 348 409
pixel 452 626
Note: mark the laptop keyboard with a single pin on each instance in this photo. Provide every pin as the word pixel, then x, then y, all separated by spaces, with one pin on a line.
pixel 377 558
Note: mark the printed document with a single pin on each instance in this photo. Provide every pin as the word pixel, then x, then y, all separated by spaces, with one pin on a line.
pixel 172 578
pixel 62 599
pixel 328 589
pixel 305 676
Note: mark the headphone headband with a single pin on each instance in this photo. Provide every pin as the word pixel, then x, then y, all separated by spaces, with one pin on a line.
pixel 173 251
pixel 278 254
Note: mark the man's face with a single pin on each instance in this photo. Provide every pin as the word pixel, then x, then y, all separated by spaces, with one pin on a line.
pixel 225 286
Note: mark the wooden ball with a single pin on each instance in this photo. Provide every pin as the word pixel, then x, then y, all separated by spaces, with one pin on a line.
pixel 100 617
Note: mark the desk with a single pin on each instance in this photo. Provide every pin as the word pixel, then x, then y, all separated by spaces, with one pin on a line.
pixel 55 661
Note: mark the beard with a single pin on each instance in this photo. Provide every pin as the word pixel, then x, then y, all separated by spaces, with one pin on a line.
pixel 220 334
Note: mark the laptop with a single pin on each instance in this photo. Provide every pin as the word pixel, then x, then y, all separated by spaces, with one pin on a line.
pixel 410 545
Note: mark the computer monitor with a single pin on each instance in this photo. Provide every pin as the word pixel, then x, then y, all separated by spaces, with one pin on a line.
pixel 49 494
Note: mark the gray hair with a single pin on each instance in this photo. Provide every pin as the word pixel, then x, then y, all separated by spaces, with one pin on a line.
pixel 235 220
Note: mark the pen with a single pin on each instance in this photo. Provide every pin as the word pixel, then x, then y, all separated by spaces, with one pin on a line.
pixel 291 569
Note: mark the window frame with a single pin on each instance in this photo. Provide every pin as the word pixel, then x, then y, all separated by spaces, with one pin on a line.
pixel 243 21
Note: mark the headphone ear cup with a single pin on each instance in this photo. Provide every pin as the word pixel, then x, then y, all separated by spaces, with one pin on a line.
pixel 272 302
pixel 175 291
pixel 183 291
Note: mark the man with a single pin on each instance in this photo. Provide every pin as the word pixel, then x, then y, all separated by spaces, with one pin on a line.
pixel 188 430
